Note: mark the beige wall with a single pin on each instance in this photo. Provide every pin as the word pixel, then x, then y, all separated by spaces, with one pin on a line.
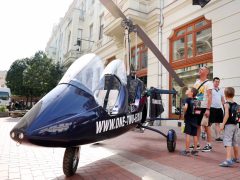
pixel 224 14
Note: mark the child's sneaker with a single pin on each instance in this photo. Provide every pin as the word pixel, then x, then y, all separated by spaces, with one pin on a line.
pixel 235 160
pixel 194 153
pixel 219 139
pixel 207 148
pixel 192 147
pixel 226 163
pixel 185 153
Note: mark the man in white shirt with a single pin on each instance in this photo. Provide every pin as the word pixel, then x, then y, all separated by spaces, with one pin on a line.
pixel 216 112
pixel 204 95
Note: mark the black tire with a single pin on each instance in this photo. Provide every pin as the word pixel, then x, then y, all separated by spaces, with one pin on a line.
pixel 171 144
pixel 70 161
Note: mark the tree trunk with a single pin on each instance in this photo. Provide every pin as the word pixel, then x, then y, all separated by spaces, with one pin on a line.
pixel 31 101
pixel 27 101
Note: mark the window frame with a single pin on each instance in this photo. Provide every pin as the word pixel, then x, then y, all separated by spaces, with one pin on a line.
pixel 186 62
pixel 101 26
pixel 142 49
pixel 195 59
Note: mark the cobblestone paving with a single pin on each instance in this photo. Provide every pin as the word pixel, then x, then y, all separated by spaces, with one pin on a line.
pixel 133 156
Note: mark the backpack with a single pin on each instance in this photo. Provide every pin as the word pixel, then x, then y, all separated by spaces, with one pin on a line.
pixel 235 112
pixel 196 107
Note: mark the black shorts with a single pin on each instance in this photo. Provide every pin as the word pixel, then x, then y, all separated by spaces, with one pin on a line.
pixel 200 116
pixel 216 115
pixel 190 129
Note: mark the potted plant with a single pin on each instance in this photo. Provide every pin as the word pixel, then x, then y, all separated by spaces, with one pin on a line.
pixel 3 111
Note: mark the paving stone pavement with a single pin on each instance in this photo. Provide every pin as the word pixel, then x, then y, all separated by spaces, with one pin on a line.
pixel 131 156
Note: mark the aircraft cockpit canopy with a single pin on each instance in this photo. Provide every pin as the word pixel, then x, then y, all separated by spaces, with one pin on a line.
pixel 106 85
pixel 85 73
pixel 111 91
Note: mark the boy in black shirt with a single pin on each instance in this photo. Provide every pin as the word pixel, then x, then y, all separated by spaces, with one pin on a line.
pixel 190 121
pixel 230 137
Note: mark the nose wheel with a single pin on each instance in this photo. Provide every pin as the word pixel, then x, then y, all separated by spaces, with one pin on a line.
pixel 171 140
pixel 70 160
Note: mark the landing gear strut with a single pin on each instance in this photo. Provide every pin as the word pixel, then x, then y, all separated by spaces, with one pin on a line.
pixel 70 160
pixel 170 136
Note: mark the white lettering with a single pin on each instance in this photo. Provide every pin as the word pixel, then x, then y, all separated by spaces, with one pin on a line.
pixel 111 124
pixel 115 123
pixel 99 126
pixel 105 125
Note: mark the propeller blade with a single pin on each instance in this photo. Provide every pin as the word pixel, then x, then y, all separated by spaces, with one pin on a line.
pixel 113 9
pixel 148 42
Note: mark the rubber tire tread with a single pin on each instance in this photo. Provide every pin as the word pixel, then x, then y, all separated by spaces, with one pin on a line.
pixel 170 146
pixel 68 168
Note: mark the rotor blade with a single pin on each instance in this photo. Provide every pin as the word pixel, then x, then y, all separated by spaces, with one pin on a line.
pixel 113 9
pixel 148 42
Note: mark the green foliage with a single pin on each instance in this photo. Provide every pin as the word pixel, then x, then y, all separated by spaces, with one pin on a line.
pixel 33 77
pixel 3 108
pixel 14 78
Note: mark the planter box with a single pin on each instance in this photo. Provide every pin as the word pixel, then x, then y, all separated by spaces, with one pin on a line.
pixel 4 114
pixel 17 113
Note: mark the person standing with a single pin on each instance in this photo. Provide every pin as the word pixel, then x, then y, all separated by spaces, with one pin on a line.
pixel 204 96
pixel 230 127
pixel 190 122
pixel 216 112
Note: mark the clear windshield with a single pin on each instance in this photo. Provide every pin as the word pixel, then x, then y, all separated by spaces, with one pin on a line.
pixel 88 74
pixel 86 70
pixel 112 80
pixel 116 67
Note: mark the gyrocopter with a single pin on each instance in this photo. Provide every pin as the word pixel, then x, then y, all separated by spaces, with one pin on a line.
pixel 92 103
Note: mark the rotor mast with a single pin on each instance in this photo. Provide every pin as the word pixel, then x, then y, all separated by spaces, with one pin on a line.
pixel 128 28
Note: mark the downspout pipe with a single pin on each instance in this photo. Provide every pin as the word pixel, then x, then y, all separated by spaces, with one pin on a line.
pixel 160 42
pixel 160 66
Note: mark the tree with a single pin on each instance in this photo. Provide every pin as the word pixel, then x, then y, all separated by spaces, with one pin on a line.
pixel 41 75
pixel 33 77
pixel 14 78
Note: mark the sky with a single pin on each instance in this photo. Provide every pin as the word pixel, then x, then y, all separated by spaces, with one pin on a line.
pixel 26 26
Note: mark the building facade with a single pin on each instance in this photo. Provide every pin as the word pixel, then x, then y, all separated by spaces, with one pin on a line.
pixel 188 36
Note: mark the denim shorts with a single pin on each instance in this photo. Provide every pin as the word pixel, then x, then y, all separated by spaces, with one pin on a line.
pixel 230 135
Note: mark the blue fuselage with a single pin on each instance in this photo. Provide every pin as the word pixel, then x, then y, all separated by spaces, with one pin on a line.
pixel 69 116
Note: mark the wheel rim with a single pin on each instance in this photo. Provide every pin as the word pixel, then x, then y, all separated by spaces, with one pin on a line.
pixel 75 158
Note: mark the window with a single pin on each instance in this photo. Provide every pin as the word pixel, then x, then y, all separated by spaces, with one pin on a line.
pixel 79 40
pixel 83 7
pixel 191 42
pixel 101 27
pixel 190 49
pixel 90 32
pixel 188 75
pixel 139 60
pixel 90 35
pixel 80 33
pixel 68 43
pixel 4 95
